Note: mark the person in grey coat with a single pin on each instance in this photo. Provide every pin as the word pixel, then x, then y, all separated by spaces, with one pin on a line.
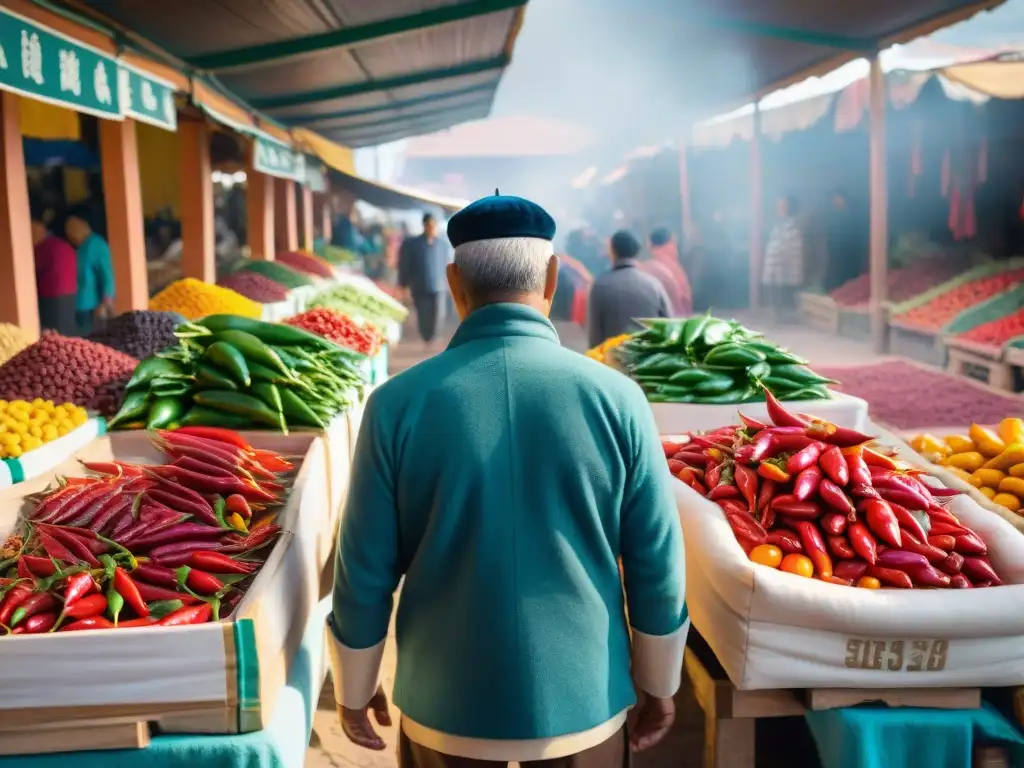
pixel 620 297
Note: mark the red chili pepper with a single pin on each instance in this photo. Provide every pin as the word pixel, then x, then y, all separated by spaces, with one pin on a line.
pixel 74 545
pixel 130 592
pixel 927 576
pixel 850 569
pixel 148 621
pixel 791 506
pixel 217 434
pixel 773 472
pixel 791 443
pixel 834 465
pixel 93 622
pixel 939 528
pixel 847 438
pixel 764 500
pixel 762 447
pixel 93 605
pixel 787 541
pixel 56 549
pixel 693 458
pixel 272 461
pixel 215 562
pixel 814 547
pixel 944 542
pixel 748 526
pixel 152 593
pixel 918 546
pixel 806 483
pixel 16 596
pixel 860 473
pixel 23 571
pixel 833 495
pixel 98 490
pixel 78 586
pixel 38 602
pixel 200 581
pixel 191 614
pixel 215 483
pixel 805 458
pixel 840 547
pixel 969 544
pixel 39 566
pixel 752 423
pixel 891 577
pixel 953 564
pixel 779 415
pixel 41 622
pixel 863 542
pixel 713 474
pixel 959 581
pixel 746 481
pixel 723 491
pixel 672 447
pixel 55 504
pixel 882 521
pixel 151 573
pixel 907 520
pixel 837 580
pixel 834 523
pixel 876 459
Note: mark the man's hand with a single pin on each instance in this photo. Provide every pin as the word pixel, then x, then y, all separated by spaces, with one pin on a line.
pixel 356 722
pixel 653 717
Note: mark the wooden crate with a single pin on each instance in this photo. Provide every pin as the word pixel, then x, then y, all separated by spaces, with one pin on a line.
pixel 981 362
pixel 855 324
pixel 109 688
pixel 1015 357
pixel 730 715
pixel 818 311
pixel 917 345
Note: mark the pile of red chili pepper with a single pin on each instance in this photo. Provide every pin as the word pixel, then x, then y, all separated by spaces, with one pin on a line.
pixel 340 328
pixel 814 499
pixel 145 545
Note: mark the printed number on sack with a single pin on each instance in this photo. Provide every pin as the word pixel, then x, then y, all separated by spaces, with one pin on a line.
pixel 897 655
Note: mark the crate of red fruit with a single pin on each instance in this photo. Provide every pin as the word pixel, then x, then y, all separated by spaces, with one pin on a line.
pixel 338 327
pixel 817 559
pixel 174 565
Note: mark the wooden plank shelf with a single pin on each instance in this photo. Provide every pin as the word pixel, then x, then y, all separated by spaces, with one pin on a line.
pixel 916 344
pixel 981 362
pixel 819 311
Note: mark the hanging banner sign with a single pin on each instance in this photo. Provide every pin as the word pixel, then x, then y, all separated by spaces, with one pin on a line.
pixel 147 98
pixel 46 65
pixel 314 178
pixel 275 159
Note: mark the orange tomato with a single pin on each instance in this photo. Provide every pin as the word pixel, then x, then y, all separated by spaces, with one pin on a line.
pixel 800 565
pixel 766 554
pixel 869 582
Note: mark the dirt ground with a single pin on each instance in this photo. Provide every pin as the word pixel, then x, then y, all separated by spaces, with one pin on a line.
pixel 782 743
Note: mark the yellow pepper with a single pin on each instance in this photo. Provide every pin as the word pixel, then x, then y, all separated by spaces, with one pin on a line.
pixel 986 441
pixel 965 476
pixel 1017 470
pixel 959 443
pixel 236 522
pixel 1014 485
pixel 929 444
pixel 1007 500
pixel 969 461
pixel 987 477
pixel 1014 454
pixel 988 493
pixel 1011 430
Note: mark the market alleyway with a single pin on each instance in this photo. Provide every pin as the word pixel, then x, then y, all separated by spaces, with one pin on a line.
pixel 787 744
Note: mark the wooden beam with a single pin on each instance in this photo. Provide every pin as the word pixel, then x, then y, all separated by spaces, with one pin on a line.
pixel 307 234
pixel 198 237
pixel 756 211
pixel 122 192
pixel 259 204
pixel 286 225
pixel 350 36
pixel 18 294
pixel 879 210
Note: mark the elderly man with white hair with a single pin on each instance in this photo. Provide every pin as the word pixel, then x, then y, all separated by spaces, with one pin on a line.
pixel 505 479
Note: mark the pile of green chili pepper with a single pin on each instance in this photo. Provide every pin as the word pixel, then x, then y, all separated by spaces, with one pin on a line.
pixel 235 372
pixel 704 359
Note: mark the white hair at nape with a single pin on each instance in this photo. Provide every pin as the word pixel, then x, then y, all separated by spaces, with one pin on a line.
pixel 504 265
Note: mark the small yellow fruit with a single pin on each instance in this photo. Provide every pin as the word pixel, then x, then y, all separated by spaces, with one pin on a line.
pixel 959 443
pixel 969 461
pixel 988 493
pixel 1007 500
pixel 989 477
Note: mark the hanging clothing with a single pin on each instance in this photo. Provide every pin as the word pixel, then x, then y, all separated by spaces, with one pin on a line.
pixel 784 256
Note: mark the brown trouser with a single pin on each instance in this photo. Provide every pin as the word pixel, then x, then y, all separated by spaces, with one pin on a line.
pixel 614 753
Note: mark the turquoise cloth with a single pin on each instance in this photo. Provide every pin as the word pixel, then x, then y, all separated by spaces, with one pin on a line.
pixel 504 478
pixel 879 737
pixel 282 744
pixel 95 273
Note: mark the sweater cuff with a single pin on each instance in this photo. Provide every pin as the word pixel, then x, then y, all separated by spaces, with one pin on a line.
pixel 356 671
pixel 658 661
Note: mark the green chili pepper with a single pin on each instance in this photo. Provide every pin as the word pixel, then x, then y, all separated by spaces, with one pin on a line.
pixel 759 371
pixel 165 410
pixel 237 403
pixel 800 373
pixel 160 608
pixel 693 328
pixel 271 396
pixel 152 368
pixel 775 354
pixel 115 603
pixel 200 416
pixel 211 377
pixel 268 333
pixel 777 384
pixel 654 397
pixel 677 394
pixel 262 373
pixel 296 409
pixel 108 567
pixel 219 506
pixel 718 385
pixel 817 392
pixel 228 358
pixel 134 408
pixel 715 332
pixel 736 355
pixel 255 350
pixel 738 395
pixel 689 377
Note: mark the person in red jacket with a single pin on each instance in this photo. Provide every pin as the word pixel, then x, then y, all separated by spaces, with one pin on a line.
pixel 665 253
pixel 56 278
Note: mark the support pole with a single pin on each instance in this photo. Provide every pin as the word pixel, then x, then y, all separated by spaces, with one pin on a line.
pixel 260 212
pixel 307 235
pixel 122 192
pixel 286 225
pixel 684 195
pixel 326 220
pixel 198 238
pixel 756 211
pixel 18 295
pixel 879 211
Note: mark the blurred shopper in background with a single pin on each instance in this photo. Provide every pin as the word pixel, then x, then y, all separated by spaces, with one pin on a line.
pixel 783 272
pixel 618 298
pixel 95 273
pixel 665 252
pixel 56 277
pixel 845 241
pixel 422 262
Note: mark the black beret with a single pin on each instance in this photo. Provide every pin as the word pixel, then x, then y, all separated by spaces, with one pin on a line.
pixel 500 216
